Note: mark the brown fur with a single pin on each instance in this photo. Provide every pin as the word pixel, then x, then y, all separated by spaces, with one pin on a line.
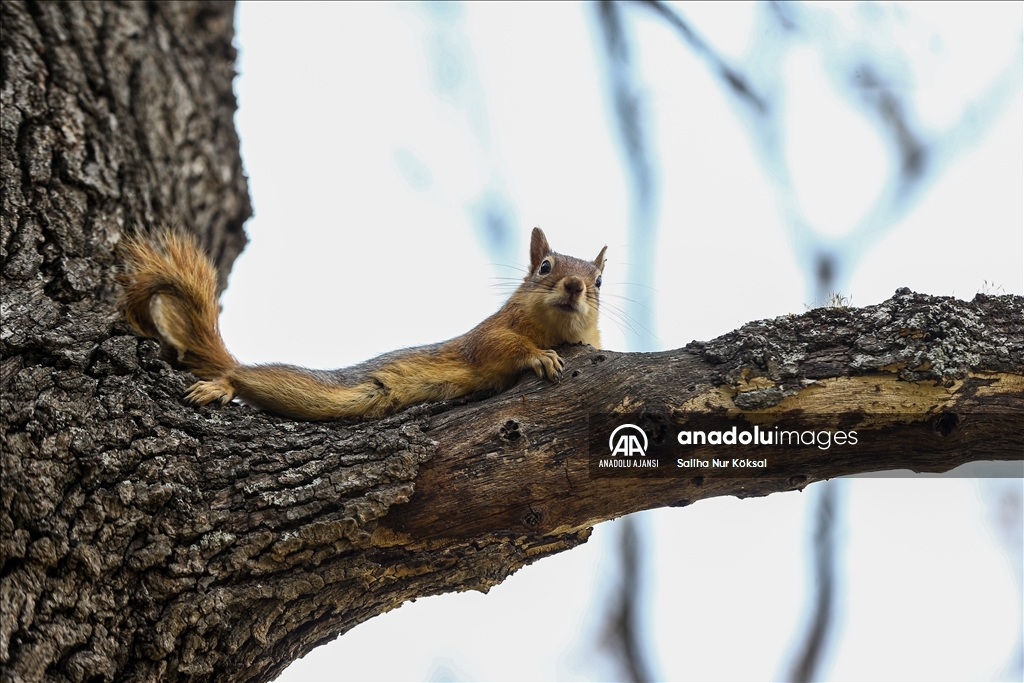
pixel 170 292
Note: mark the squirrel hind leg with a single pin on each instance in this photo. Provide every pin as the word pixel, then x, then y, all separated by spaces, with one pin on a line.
pixel 166 319
pixel 204 392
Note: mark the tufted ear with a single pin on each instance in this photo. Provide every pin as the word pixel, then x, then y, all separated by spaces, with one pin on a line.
pixel 538 248
pixel 599 261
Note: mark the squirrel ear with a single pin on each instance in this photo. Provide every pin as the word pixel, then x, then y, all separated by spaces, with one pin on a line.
pixel 538 248
pixel 599 261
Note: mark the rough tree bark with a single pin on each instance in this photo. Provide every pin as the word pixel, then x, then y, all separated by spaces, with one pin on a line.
pixel 141 538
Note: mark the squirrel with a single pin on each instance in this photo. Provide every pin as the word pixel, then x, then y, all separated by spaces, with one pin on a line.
pixel 169 292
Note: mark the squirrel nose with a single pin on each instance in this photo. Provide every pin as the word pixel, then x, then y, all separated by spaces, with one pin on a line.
pixel 573 285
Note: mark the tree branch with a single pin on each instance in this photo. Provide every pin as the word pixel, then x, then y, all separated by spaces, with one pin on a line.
pixel 911 357
pixel 244 540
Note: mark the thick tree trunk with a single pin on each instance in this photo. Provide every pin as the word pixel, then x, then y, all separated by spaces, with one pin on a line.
pixel 114 115
pixel 141 538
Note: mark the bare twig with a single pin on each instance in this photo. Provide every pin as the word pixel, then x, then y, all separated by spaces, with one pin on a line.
pixel 627 103
pixel 622 634
pixel 808 663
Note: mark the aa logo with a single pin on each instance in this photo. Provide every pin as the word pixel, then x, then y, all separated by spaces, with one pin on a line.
pixel 628 443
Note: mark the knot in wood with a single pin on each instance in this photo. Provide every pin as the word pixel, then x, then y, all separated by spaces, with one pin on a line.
pixel 510 431
pixel 532 519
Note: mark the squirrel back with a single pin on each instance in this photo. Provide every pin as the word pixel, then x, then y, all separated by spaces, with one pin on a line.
pixel 169 291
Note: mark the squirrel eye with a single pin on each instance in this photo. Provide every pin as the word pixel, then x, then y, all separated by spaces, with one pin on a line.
pixel 597 282
pixel 545 267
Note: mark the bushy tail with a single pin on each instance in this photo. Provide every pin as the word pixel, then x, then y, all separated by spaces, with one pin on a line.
pixel 170 291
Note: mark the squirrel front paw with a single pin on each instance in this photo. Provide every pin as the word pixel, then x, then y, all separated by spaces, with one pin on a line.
pixel 548 364
pixel 202 393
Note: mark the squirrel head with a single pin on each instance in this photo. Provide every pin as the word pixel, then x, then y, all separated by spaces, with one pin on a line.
pixel 562 292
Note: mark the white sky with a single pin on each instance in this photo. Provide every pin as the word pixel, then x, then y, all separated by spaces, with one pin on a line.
pixel 363 181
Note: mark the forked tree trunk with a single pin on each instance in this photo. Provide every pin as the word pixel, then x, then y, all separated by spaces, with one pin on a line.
pixel 144 539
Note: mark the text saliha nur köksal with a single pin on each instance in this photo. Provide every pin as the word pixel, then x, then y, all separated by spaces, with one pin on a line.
pixel 823 439
pixel 715 463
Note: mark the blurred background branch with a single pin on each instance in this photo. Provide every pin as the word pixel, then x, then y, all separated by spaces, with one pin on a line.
pixel 877 83
pixel 811 654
